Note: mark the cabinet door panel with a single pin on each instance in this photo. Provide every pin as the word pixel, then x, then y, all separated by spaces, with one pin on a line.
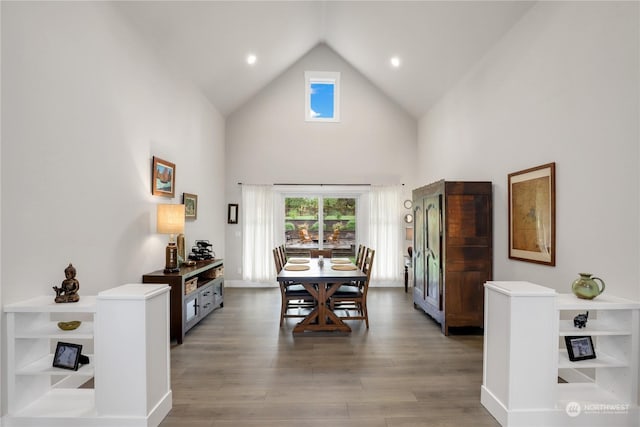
pixel 418 249
pixel 433 250
pixel 191 310
pixel 465 297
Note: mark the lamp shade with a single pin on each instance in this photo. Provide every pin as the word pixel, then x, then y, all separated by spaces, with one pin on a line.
pixel 170 219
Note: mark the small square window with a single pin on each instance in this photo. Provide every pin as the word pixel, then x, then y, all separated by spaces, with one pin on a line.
pixel 322 96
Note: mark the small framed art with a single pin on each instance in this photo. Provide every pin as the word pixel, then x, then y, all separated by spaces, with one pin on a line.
pixel 532 214
pixel 190 202
pixel 163 178
pixel 232 214
pixel 67 356
pixel 580 348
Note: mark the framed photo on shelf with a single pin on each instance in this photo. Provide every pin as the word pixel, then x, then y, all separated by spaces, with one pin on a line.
pixel 190 202
pixel 232 214
pixel 67 356
pixel 532 214
pixel 163 178
pixel 580 348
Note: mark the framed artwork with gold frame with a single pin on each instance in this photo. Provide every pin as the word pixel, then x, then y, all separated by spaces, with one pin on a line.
pixel 532 214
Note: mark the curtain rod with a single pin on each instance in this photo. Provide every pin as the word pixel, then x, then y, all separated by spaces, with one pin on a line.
pixel 323 185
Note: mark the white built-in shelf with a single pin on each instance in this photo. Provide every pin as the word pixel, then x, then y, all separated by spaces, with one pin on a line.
pixel 51 330
pixel 594 328
pixel 525 354
pixel 602 360
pixel 69 403
pixel 46 304
pixel 586 393
pixel 44 366
pixel 601 302
pixel 133 393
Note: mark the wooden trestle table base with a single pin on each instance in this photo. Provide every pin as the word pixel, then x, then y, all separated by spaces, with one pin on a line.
pixel 321 282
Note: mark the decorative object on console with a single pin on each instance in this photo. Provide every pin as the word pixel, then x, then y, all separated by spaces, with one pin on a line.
pixel 580 348
pixel 202 251
pixel 232 213
pixel 585 286
pixel 408 234
pixel 190 202
pixel 69 356
pixel 171 222
pixel 163 178
pixel 70 325
pixel 580 321
pixel 181 249
pixel 532 214
pixel 68 290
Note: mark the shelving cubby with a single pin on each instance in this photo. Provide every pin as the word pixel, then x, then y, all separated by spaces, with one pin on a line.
pixel 528 378
pixel 34 386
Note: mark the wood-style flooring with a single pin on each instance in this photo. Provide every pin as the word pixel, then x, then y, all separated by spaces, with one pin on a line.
pixel 239 368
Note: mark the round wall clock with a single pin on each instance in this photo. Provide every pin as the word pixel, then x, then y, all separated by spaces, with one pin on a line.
pixel 408 204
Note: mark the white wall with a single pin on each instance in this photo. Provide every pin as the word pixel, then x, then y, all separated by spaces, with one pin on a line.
pixel 85 107
pixel 268 140
pixel 561 87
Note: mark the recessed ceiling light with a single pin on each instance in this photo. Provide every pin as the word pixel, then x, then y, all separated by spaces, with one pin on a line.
pixel 251 59
pixel 395 62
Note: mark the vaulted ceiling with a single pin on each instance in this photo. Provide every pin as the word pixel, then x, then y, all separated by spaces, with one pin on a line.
pixel 437 42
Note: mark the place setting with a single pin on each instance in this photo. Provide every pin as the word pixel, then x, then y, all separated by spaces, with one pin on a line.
pixel 298 261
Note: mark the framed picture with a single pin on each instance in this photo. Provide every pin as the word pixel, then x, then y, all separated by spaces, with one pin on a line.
pixel 163 179
pixel 580 348
pixel 190 202
pixel 67 356
pixel 532 214
pixel 232 214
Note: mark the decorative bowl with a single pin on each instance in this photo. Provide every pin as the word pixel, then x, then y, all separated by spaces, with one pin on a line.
pixel 69 326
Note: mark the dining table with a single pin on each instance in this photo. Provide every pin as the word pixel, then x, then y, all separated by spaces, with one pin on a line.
pixel 321 277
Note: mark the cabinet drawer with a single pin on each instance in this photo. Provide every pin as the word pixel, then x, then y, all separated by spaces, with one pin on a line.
pixel 207 299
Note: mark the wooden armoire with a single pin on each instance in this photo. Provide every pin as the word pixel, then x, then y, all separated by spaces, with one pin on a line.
pixel 452 251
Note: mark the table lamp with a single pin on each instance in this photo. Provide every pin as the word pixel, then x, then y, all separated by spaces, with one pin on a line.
pixel 171 222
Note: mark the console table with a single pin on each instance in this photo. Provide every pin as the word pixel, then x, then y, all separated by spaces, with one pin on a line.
pixel 195 292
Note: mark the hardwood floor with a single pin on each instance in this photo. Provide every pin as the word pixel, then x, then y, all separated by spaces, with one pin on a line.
pixel 239 368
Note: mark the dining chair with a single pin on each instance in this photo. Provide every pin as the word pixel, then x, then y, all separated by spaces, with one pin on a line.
pixel 294 296
pixel 304 235
pixel 315 253
pixel 353 297
pixel 362 249
pixel 335 236
pixel 282 253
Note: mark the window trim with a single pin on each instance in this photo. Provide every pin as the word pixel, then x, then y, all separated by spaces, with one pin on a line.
pixel 360 193
pixel 322 77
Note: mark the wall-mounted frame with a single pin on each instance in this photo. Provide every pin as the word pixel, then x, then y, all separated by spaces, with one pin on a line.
pixel 163 178
pixel 67 356
pixel 232 213
pixel 190 202
pixel 532 214
pixel 580 348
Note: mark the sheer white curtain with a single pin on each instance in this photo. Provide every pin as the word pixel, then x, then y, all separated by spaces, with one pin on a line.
pixel 258 231
pixel 384 234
